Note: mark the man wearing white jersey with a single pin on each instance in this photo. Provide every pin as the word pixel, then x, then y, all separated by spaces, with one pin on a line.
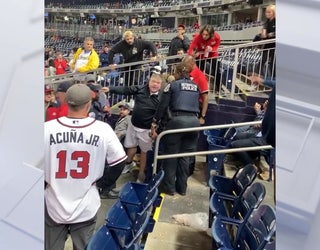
pixel 76 148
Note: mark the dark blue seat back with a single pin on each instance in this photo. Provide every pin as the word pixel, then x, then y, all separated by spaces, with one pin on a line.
pixel 243 178
pixel 236 185
pixel 134 193
pixel 223 141
pixel 259 230
pixel 126 232
pixel 214 132
pixel 257 233
pixel 156 180
pixel 103 240
pixel 119 224
pixel 250 200
pixel 220 234
pixel 241 207
pixel 263 223
pixel 137 198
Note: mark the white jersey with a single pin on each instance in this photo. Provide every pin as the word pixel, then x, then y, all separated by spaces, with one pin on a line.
pixel 83 59
pixel 75 155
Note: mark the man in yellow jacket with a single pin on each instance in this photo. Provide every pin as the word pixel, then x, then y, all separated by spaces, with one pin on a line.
pixel 85 59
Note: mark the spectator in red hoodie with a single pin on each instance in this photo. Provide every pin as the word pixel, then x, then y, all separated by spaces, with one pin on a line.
pixel 62 109
pixel 205 46
pixel 60 64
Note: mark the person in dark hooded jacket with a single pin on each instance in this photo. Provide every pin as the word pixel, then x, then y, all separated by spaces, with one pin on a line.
pixel 180 41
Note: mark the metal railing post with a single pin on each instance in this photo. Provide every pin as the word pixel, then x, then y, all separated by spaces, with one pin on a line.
pixel 234 73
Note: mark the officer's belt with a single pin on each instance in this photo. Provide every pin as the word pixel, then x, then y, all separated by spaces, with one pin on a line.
pixel 184 113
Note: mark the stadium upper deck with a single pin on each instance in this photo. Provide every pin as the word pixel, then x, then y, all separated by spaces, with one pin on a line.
pixel 93 4
pixel 236 21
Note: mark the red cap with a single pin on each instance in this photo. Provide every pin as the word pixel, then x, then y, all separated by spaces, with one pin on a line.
pixel 47 88
pixel 181 26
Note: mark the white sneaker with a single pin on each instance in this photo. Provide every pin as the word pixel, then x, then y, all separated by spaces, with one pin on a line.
pixel 128 167
pixel 141 177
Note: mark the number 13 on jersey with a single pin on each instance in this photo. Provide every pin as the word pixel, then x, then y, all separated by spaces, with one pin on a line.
pixel 82 159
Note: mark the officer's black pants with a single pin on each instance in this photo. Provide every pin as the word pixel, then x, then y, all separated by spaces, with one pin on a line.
pixel 176 170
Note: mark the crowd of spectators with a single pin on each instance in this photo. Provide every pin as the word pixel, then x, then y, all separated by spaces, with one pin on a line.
pixel 185 97
pixel 113 4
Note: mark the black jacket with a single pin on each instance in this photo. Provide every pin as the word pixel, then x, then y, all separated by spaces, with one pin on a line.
pixel 96 111
pixel 145 105
pixel 176 43
pixel 132 53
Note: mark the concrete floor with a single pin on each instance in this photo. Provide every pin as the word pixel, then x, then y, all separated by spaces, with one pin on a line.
pixel 168 234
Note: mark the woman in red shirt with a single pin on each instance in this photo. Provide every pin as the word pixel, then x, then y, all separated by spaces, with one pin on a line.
pixel 204 47
pixel 60 64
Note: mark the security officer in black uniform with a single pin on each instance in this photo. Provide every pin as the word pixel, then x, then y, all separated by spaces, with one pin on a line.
pixel 96 109
pixel 181 97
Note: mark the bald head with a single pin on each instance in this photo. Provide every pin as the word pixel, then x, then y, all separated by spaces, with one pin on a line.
pixel 189 61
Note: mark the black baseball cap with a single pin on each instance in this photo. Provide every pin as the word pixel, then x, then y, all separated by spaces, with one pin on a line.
pixel 64 86
pixel 94 86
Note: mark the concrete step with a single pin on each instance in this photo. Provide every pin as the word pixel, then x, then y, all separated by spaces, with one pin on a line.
pixel 170 236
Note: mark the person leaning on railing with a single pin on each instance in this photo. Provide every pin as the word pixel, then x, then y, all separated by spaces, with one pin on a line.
pixel 85 59
pixel 146 103
pixel 204 46
pixel 132 50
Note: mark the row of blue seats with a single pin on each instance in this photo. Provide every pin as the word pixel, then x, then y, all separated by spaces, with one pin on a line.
pixel 237 219
pixel 130 217
pixel 221 139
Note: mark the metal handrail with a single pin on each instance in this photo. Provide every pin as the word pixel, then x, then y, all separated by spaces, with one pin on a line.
pixel 159 58
pixel 207 152
pixel 262 42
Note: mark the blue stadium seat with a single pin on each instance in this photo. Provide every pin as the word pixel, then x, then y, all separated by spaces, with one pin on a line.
pixel 257 233
pixel 263 223
pixel 215 161
pixel 232 187
pixel 156 179
pixel 137 198
pixel 103 240
pixel 240 207
pixel 236 185
pixel 127 233
pixel 213 132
